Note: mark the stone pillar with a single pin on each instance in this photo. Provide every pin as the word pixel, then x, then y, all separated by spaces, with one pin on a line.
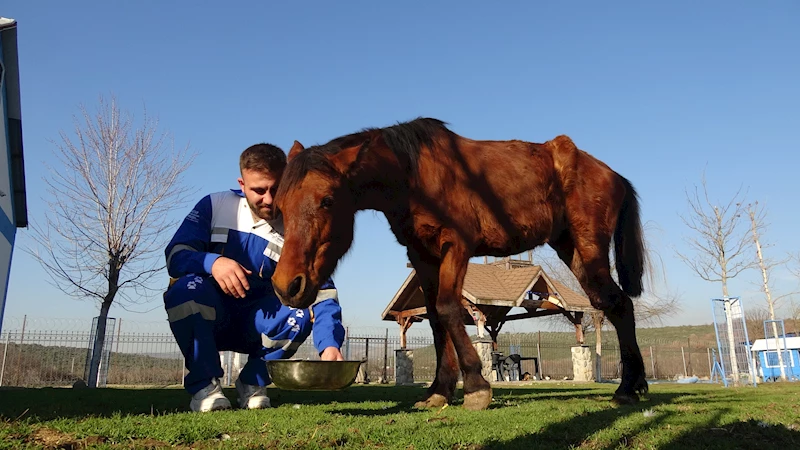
pixel 403 366
pixel 484 349
pixel 582 363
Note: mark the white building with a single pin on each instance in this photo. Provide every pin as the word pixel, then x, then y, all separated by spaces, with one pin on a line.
pixel 13 203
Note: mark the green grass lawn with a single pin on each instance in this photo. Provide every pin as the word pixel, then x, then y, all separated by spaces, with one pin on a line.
pixel 549 416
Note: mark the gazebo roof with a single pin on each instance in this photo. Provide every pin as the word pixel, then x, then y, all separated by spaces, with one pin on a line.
pixel 495 289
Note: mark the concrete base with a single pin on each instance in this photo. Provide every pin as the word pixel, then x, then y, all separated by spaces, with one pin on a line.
pixel 484 349
pixel 404 367
pixel 582 368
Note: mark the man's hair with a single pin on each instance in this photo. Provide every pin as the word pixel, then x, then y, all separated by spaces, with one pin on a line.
pixel 263 158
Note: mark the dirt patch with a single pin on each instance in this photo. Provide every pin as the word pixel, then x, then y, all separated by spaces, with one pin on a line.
pixel 51 439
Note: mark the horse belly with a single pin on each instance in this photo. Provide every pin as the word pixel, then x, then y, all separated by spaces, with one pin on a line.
pixel 515 231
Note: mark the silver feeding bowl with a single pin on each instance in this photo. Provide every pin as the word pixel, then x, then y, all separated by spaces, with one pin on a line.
pixel 311 375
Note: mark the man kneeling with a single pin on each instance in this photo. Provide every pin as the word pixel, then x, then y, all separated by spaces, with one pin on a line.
pixel 217 302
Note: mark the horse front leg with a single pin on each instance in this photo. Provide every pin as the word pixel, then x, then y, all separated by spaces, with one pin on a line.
pixel 455 258
pixel 442 390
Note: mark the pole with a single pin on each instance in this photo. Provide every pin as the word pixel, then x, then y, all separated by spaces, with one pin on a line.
pixel 385 355
pixel 653 362
pixel 347 343
pixel 539 355
pixel 21 340
pixel 5 352
pixel 683 356
pixel 710 366
pixel 366 362
pixel 119 330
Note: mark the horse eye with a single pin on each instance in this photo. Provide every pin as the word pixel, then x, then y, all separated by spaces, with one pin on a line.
pixel 327 202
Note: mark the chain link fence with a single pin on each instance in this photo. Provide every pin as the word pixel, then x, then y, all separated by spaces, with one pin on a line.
pixel 38 353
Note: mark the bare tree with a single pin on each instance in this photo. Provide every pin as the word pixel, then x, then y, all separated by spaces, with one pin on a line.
pixel 111 189
pixel 720 242
pixel 794 315
pixel 758 225
pixel 754 320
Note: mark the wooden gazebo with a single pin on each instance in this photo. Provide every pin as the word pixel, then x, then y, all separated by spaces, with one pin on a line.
pixel 490 291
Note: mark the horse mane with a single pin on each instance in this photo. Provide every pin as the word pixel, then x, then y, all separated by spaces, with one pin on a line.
pixel 404 139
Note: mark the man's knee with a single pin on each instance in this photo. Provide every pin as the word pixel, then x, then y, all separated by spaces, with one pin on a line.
pixel 190 295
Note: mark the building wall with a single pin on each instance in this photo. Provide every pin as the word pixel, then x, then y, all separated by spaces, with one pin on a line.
pixel 7 223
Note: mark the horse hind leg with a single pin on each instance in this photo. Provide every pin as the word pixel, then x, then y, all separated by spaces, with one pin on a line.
pixel 633 382
pixel 592 270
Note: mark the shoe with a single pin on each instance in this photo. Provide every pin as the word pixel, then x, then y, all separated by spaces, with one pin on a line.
pixel 210 398
pixel 252 397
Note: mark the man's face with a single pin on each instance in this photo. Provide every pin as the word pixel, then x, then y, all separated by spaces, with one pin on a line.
pixel 259 188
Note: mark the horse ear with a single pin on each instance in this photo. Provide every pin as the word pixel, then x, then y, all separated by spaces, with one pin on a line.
pixel 346 160
pixel 297 147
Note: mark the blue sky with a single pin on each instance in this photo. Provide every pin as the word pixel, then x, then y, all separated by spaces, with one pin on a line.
pixel 658 90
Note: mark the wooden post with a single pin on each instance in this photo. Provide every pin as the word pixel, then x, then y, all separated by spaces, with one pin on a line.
pixel 477 316
pixel 578 322
pixel 405 323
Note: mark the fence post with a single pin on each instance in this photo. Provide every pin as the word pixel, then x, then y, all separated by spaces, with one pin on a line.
pixel 385 355
pixel 347 343
pixel 119 329
pixel 5 352
pixel 689 351
pixel 653 362
pixel 19 349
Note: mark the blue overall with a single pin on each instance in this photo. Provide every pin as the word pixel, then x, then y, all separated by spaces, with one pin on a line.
pixel 205 321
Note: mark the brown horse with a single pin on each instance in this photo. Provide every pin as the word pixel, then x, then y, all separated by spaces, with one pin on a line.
pixel 448 198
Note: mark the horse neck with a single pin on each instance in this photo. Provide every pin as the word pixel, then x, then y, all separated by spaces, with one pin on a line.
pixel 379 181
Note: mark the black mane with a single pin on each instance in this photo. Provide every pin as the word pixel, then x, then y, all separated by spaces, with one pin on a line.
pixel 404 139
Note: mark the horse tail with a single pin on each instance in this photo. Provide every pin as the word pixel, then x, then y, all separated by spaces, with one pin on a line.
pixel 629 248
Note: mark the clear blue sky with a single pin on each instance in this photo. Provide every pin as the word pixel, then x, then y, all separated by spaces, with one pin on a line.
pixel 658 90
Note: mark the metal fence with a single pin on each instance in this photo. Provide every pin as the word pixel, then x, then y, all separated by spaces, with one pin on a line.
pixel 47 357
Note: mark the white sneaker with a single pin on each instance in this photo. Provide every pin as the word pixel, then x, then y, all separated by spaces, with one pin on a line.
pixel 210 398
pixel 252 397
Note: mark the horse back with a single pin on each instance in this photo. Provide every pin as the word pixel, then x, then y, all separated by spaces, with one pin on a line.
pixel 499 195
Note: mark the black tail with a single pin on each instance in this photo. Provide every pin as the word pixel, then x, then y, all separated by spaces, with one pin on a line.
pixel 629 248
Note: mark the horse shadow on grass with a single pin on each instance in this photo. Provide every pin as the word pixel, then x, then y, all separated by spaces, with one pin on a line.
pixel 581 430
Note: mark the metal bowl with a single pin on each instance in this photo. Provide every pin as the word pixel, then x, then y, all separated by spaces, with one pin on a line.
pixel 312 375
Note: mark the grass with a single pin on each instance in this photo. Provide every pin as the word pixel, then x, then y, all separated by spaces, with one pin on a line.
pixel 547 415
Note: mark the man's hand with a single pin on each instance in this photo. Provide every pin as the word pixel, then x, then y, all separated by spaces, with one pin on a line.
pixel 231 277
pixel 331 354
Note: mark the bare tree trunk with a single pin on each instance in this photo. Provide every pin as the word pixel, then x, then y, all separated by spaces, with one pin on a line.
pixel 770 303
pixel 723 264
pixel 97 347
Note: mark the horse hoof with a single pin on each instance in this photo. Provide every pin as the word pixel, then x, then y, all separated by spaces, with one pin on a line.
pixel 625 399
pixel 434 401
pixel 478 400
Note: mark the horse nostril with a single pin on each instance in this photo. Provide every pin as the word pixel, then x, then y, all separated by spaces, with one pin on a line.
pixel 296 286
